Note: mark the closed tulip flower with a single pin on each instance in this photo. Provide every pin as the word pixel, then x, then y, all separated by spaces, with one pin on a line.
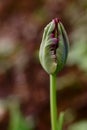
pixel 54 47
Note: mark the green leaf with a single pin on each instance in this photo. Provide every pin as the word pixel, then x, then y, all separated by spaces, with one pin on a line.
pixel 60 121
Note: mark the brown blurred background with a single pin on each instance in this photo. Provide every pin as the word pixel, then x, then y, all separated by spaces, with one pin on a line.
pixel 21 75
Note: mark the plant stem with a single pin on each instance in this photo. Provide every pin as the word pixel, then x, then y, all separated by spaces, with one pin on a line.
pixel 53 106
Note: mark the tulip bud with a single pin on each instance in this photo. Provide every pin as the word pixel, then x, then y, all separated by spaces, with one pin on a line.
pixel 54 47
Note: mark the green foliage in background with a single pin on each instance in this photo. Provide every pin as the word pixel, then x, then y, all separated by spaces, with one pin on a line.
pixel 78 52
pixel 82 125
pixel 17 121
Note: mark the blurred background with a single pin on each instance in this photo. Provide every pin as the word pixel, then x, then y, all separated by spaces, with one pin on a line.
pixel 24 85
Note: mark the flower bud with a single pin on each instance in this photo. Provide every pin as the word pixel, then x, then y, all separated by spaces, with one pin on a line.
pixel 54 47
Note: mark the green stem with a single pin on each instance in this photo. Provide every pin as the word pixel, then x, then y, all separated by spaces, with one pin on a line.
pixel 53 106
